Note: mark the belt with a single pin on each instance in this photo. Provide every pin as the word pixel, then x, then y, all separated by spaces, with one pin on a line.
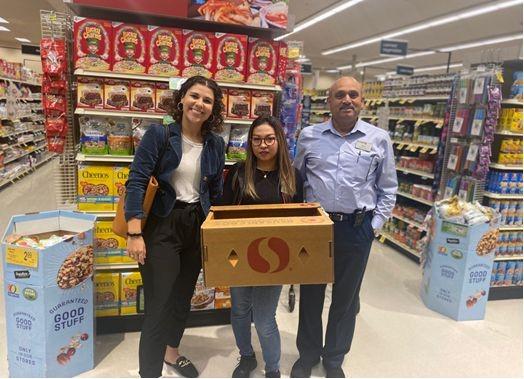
pixel 183 205
pixel 339 217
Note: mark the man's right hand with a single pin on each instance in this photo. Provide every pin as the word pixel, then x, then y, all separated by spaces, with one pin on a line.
pixel 136 249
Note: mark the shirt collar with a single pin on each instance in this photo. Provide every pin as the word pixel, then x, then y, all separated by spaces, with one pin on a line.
pixel 360 126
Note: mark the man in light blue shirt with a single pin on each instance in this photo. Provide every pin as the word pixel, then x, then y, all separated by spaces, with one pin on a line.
pixel 348 167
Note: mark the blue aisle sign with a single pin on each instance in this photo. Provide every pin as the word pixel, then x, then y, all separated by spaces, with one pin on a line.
pixel 391 47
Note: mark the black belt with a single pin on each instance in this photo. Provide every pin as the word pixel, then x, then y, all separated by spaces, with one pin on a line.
pixel 339 217
pixel 183 205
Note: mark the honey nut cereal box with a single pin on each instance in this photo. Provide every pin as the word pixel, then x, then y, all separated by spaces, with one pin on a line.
pixel 93 50
pixel 95 188
pixel 142 96
pixel 129 282
pixel 130 48
pixel 198 54
pixel 238 103
pixel 165 51
pixel 109 247
pixel 90 93
pixel 261 103
pixel 231 52
pixel 121 174
pixel 163 97
pixel 262 61
pixel 116 94
pixel 107 294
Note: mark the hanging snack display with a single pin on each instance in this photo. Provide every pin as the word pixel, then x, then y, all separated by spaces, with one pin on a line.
pixel 230 57
pixel 198 54
pixel 129 48
pixel 92 49
pixel 165 46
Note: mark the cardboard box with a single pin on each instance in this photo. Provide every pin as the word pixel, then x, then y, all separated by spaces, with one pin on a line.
pixel 90 92
pixel 458 267
pixel 163 97
pixel 165 51
pixel 238 103
pixel 198 54
pixel 142 96
pixel 129 283
pixel 93 44
pixel 267 245
pixel 116 94
pixel 107 294
pixel 49 296
pixel 261 103
pixel 262 61
pixel 109 248
pixel 231 53
pixel 130 48
pixel 95 188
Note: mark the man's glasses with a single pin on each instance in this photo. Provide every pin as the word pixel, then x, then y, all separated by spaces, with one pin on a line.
pixel 269 140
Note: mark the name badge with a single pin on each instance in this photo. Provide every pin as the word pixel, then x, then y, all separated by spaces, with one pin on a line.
pixel 365 146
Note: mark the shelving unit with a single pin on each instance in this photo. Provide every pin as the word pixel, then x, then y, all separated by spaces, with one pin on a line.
pixel 418 199
pixel 422 174
pixel 502 196
pixel 409 221
pixel 411 253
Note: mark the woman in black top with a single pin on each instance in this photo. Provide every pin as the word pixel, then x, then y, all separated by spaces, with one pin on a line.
pixel 267 177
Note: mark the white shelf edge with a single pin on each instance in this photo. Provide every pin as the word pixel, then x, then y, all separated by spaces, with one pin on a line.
pixel 422 119
pixel 112 112
pixel 507 167
pixel 503 196
pixel 512 102
pixel 506 133
pixel 509 228
pixel 115 266
pixel 402 245
pixel 409 196
pixel 416 172
pixel 21 81
pixel 513 258
pixel 411 222
pixel 415 144
pixel 81 157
pixel 100 213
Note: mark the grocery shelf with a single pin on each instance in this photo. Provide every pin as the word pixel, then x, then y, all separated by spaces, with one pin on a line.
pixel 21 155
pixel 119 75
pixel 414 98
pixel 318 97
pixel 20 81
pixel 116 266
pixel 104 158
pixel 512 102
pixel 111 112
pixel 507 167
pixel 410 196
pixel 29 170
pixel 503 196
pixel 510 258
pixel 409 221
pixel 230 162
pixel 107 214
pixel 421 119
pixel 508 133
pixel 505 292
pixel 423 174
pixel 400 244
pixel 415 144
pixel 23 99
pixel 508 228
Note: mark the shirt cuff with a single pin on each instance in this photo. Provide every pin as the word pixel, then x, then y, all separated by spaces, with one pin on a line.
pixel 377 222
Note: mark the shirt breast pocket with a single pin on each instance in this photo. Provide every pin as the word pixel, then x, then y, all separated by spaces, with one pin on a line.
pixel 366 166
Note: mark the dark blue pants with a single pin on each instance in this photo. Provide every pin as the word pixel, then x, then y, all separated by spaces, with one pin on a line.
pixel 352 247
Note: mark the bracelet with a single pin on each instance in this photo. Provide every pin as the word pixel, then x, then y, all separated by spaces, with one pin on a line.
pixel 134 235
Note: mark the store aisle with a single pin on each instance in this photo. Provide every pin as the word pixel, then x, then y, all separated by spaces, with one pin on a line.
pixel 396 334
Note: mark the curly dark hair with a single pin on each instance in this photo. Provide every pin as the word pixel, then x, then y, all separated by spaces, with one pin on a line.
pixel 215 121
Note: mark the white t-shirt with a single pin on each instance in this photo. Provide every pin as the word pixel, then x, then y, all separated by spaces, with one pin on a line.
pixel 186 178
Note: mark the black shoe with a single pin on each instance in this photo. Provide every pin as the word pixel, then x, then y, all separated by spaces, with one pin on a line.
pixel 334 372
pixel 246 364
pixel 301 369
pixel 273 374
pixel 184 367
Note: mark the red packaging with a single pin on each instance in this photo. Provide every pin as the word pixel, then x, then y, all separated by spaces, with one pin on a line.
pixel 262 61
pixel 282 62
pixel 198 54
pixel 238 103
pixel 231 52
pixel 130 48
pixel 54 103
pixel 142 96
pixel 93 50
pixel 116 94
pixel 56 126
pixel 53 55
pixel 261 103
pixel 165 51
pixel 55 144
pixel 163 95
pixel 56 84
pixel 90 93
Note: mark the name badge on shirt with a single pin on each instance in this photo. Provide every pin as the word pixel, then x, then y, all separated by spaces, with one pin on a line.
pixel 364 146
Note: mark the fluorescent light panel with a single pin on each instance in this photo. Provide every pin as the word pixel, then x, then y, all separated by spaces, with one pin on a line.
pixel 3 21
pixel 22 39
pixel 4 29
pixel 472 12
pixel 490 41
pixel 331 11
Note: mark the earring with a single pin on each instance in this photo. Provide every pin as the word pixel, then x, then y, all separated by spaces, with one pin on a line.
pixel 180 107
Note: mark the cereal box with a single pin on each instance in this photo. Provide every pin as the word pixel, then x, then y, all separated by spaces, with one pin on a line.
pixel 222 297
pixel 92 50
pixel 262 61
pixel 95 188
pixel 130 48
pixel 109 248
pixel 231 52
pixel 121 174
pixel 198 54
pixel 129 282
pixel 107 294
pixel 165 51
pixel 116 94
pixel 48 295
pixel 261 103
pixel 163 97
pixel 238 103
pixel 203 298
pixel 90 92
pixel 224 101
pixel 142 96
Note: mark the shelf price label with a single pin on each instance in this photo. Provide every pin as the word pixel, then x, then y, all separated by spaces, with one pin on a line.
pixel 400 146
pixel 22 256
pixel 424 150
pixel 419 122
pixel 413 148
pixel 382 239
pixel 457 125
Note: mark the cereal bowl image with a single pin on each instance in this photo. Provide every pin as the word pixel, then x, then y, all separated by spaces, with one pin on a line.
pixel 77 267
pixel 487 243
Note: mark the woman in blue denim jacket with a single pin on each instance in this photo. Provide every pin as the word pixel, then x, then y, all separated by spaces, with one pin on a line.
pixel 188 160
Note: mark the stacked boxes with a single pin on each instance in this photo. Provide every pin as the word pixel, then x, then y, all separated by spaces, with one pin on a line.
pixel 107 294
pixel 506 273
pixel 129 283
pixel 109 247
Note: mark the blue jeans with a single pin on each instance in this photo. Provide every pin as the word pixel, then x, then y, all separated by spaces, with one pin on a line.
pixel 260 304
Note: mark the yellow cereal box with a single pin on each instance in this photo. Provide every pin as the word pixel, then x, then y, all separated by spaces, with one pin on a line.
pixel 109 248
pixel 95 188
pixel 107 287
pixel 120 178
pixel 129 282
pixel 222 297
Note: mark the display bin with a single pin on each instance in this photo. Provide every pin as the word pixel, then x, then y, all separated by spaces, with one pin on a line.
pixel 457 269
pixel 247 245
pixel 49 296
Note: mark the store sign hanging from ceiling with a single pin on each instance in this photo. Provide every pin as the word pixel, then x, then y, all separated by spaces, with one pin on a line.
pixel 405 70
pixel 391 47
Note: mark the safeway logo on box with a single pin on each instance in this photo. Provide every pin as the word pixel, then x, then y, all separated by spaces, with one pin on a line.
pixel 258 263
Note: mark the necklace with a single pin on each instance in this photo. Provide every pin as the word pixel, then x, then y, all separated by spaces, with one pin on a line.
pixel 265 173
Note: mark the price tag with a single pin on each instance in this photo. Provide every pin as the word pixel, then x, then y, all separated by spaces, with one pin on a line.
pixel 411 101
pixel 413 148
pixel 463 95
pixel 22 256
pixel 452 163
pixel 457 125
pixel 439 124
pixel 476 127
pixel 499 76
pixel 448 192
pixel 382 239
pixel 433 151
pixel 478 89
pixel 400 146
pixel 424 150
pixel 419 122
pixel 472 153
pixel 400 121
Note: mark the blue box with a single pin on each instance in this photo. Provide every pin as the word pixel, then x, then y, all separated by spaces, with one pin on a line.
pixel 49 296
pixel 458 268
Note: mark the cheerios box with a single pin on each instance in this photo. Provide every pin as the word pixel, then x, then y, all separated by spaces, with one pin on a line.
pixel 129 283
pixel 95 188
pixel 107 294
pixel 109 247
pixel 120 176
pixel 457 269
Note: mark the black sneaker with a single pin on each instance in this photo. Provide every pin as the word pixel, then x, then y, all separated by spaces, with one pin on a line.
pixel 301 369
pixel 273 374
pixel 246 364
pixel 184 367
pixel 334 372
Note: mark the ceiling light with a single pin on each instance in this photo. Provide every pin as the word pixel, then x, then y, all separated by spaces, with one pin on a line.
pixel 326 13
pixel 303 60
pixel 4 29
pixel 22 39
pixel 482 43
pixel 471 12
pixel 3 21
pixel 332 71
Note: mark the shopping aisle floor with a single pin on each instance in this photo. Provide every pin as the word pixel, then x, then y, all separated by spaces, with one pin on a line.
pixel 396 335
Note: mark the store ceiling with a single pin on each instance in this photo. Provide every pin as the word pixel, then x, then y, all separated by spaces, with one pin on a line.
pixel 366 19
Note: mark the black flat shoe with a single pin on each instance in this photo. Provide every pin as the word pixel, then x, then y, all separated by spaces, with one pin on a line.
pixel 184 367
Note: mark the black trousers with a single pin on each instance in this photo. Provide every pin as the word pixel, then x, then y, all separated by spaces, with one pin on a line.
pixel 173 262
pixel 352 247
